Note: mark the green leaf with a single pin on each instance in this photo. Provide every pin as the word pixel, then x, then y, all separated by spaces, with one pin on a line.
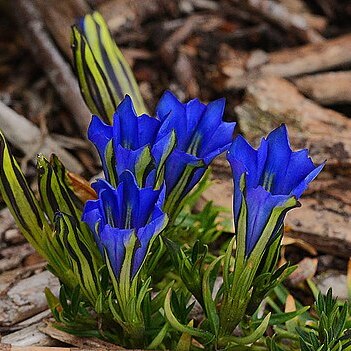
pixel 54 189
pixel 210 305
pixel 21 201
pixel 83 261
pixel 201 334
pixel 53 303
pixel 281 318
pixel 184 343
pixel 155 343
pixel 249 339
pixel 103 73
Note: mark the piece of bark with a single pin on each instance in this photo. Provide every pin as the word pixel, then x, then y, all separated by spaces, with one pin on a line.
pixel 29 336
pixel 169 47
pixel 271 101
pixel 82 343
pixel 9 278
pixel 306 269
pixel 27 137
pixel 279 15
pixel 324 220
pixel 6 221
pixel 13 236
pixel 184 71
pixel 59 16
pixel 26 298
pixel 334 279
pixel 119 13
pixel 14 255
pixel 49 58
pixel 311 58
pixel 327 88
pixel 317 22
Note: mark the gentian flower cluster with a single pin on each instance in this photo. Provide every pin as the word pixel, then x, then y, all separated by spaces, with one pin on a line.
pixel 149 162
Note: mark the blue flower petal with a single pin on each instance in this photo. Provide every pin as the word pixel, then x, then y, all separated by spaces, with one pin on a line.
pixel 144 235
pixel 127 159
pixel 93 218
pixel 114 240
pixel 125 124
pixel 99 134
pixel 169 105
pixel 243 158
pixel 175 166
pixel 147 129
pixel 138 202
pixel 260 204
pixel 218 142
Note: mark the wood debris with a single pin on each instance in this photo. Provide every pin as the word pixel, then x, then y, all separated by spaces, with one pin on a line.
pixel 311 58
pixel 326 88
pixel 197 48
pixel 24 298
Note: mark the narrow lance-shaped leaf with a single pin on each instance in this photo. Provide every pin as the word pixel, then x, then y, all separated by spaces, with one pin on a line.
pixel 21 201
pixel 83 262
pixel 54 191
pixel 57 195
pixel 96 89
pixel 103 73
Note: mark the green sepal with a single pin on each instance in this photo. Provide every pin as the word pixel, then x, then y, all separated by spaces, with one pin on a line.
pixel 142 165
pixel 103 73
pixel 110 166
pixel 175 200
pixel 168 148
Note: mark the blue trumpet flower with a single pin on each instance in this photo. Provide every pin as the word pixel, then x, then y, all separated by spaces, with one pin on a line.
pixel 119 213
pixel 272 175
pixel 201 136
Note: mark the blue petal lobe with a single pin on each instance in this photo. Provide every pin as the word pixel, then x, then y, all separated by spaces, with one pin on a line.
pixel 260 204
pixel 114 241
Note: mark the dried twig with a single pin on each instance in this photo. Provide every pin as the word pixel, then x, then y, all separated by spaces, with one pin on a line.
pixel 290 62
pixel 59 17
pixel 327 88
pixel 27 137
pixel 280 15
pixel 47 55
pixel 82 343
